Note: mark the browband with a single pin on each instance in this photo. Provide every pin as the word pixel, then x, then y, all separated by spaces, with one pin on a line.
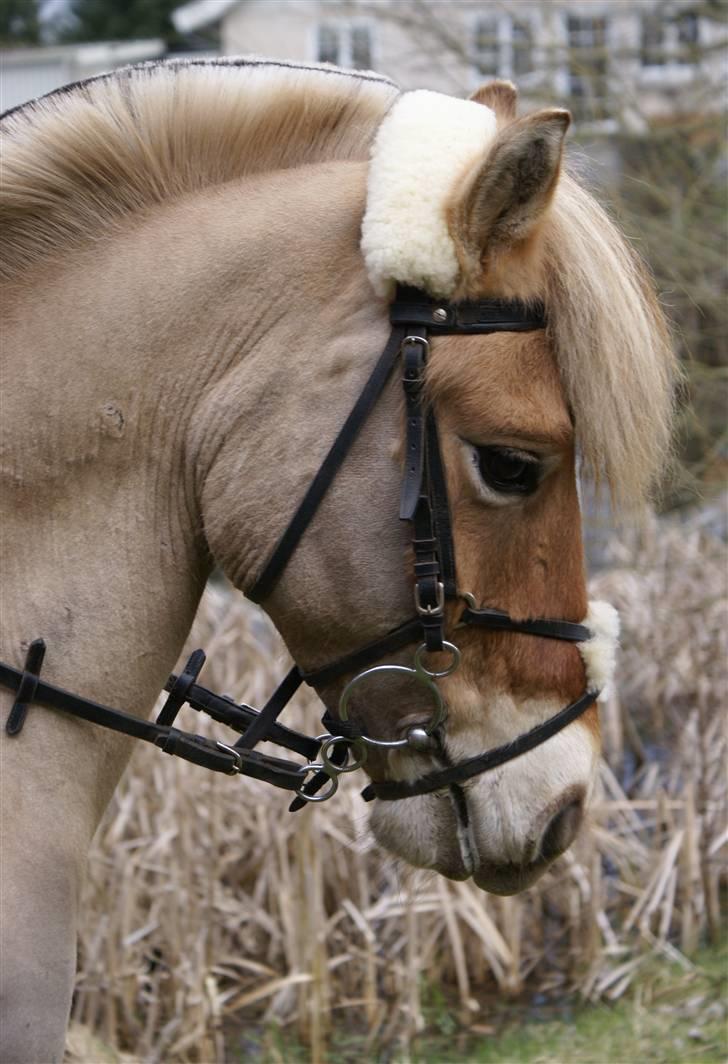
pixel 413 307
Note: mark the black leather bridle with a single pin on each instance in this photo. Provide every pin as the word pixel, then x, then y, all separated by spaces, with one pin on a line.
pixel 414 318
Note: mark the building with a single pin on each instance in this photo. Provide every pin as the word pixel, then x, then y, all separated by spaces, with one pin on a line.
pixel 26 73
pixel 611 62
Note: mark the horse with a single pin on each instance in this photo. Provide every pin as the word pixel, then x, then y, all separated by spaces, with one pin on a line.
pixel 200 258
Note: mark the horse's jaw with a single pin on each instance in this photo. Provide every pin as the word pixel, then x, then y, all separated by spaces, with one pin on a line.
pixel 502 829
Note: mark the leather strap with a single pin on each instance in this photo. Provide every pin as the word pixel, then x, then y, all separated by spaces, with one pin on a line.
pixel 393 790
pixel 402 636
pixel 440 509
pixel 181 687
pixel 328 469
pixel 239 717
pixel 549 629
pixel 413 307
pixel 195 748
pixel 262 725
pixel 27 687
pixel 414 350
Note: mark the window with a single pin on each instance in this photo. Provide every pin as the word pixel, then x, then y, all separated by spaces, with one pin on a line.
pixel 328 44
pixel 669 41
pixel 688 36
pixel 345 45
pixel 361 48
pixel 522 45
pixel 503 47
pixel 588 82
pixel 652 45
pixel 487 49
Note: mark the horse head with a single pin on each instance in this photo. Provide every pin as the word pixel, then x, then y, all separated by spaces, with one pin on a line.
pixel 466 204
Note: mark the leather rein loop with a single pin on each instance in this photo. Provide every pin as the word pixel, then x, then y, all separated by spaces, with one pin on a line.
pixel 424 503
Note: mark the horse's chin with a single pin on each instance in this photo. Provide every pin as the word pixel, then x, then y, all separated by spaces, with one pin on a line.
pixel 502 831
pixel 506 879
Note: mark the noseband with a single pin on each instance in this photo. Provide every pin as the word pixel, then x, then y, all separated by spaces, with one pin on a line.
pixel 424 504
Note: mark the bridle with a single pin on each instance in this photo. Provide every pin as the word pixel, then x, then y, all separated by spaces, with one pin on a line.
pixel 343 748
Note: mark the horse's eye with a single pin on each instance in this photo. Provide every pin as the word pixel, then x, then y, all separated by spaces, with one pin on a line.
pixel 509 471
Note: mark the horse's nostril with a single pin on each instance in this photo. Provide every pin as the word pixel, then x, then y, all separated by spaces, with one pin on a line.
pixel 562 829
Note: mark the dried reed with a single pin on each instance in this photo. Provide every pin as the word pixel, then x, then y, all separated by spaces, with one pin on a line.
pixel 209 909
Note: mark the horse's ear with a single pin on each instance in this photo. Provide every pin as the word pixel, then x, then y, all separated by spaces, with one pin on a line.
pixel 501 97
pixel 506 195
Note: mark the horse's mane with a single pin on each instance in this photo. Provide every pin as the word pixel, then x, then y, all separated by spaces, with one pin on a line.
pixel 78 160
pixel 613 346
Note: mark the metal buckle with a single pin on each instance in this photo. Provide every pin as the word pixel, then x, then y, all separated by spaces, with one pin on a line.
pixel 417 340
pixel 428 611
pixel 238 766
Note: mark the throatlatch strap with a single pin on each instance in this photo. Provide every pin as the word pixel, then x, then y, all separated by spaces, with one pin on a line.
pixel 328 469
pixel 399 637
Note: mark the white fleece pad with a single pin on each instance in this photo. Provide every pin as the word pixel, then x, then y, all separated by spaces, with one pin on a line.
pixel 600 652
pixel 422 149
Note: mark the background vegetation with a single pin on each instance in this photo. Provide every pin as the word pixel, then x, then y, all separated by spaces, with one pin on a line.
pixel 220 927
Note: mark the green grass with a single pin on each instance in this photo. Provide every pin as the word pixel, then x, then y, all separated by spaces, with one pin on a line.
pixel 670 1016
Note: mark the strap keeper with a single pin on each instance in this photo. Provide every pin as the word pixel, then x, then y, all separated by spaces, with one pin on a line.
pixel 427 568
pixel 27 687
pixel 181 688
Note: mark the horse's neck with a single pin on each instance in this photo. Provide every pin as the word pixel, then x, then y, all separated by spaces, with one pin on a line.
pixel 123 366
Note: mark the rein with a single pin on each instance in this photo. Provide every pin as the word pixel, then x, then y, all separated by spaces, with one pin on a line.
pixel 423 503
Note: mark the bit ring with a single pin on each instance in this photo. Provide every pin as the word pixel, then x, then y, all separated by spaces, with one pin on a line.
pixel 420 676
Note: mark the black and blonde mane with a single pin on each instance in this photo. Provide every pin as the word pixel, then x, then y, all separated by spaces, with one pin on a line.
pixel 81 160
pixel 76 161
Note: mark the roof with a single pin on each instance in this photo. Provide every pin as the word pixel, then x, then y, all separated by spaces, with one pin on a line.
pixel 200 13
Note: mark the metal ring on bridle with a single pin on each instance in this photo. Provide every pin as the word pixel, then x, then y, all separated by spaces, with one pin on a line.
pixel 318 766
pixel 450 647
pixel 420 676
pixel 328 743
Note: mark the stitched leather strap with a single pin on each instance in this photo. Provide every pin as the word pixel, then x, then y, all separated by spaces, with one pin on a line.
pixel 195 748
pixel 393 790
pixel 413 307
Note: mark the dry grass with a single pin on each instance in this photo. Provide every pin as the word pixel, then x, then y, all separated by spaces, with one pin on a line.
pixel 208 905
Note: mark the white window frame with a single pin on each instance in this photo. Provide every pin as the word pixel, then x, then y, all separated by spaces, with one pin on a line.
pixel 344 27
pixel 562 80
pixel 504 34
pixel 672 70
